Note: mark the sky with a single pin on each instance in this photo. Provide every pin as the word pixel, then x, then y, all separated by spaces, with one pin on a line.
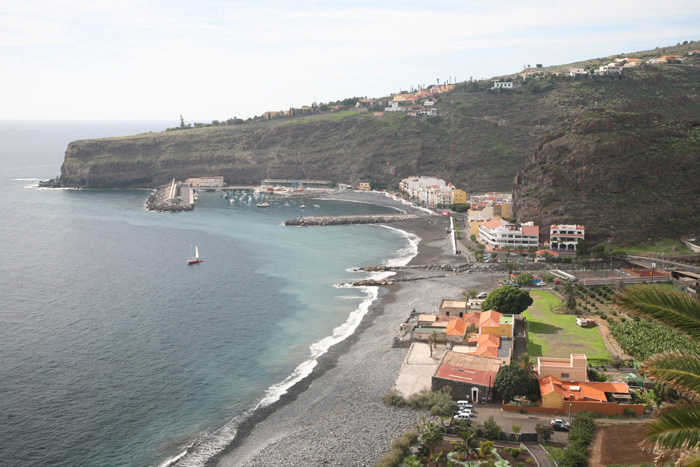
pixel 216 59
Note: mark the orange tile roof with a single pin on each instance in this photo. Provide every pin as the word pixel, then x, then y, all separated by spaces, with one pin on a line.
pixel 490 318
pixel 493 223
pixel 488 340
pixel 579 391
pixel 550 384
pixel 491 352
pixel 472 318
pixel 456 327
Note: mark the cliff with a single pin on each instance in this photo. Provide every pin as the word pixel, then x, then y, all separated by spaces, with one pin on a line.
pixel 601 151
pixel 626 177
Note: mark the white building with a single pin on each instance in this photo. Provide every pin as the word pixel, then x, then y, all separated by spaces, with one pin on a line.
pixel 565 237
pixel 393 107
pixel 429 190
pixel 577 71
pixel 498 234
pixel 503 84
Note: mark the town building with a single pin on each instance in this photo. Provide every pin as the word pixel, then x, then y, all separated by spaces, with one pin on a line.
pixel 502 85
pixel 453 308
pixel 574 368
pixel 498 234
pixel 557 394
pixel 364 186
pixel 564 237
pixel 577 72
pixel 205 182
pixel 467 376
pixel 497 324
pixel 459 196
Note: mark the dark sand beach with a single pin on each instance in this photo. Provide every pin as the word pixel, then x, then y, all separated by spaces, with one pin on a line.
pixel 335 416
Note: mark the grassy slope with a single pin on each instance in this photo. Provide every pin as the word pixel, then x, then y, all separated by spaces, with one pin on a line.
pixel 556 335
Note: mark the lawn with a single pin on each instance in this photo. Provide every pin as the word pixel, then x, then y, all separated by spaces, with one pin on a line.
pixel 557 335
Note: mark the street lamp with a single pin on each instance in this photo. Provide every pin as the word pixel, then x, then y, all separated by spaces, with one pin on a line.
pixel 653 266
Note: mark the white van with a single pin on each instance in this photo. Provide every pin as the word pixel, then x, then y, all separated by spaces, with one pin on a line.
pixel 464 404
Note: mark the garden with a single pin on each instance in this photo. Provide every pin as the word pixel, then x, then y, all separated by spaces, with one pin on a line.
pixel 553 333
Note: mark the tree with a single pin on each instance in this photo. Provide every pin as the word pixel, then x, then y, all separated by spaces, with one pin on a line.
pixel 431 435
pixel 182 122
pixel 544 432
pixel 516 432
pixel 674 433
pixel 526 364
pixel 471 293
pixel 507 299
pixel 525 279
pixel 514 381
pixel 467 444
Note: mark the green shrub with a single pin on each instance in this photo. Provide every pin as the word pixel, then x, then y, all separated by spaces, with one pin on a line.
pixel 426 400
pixel 394 398
pixel 392 459
pixel 515 453
pixel 575 455
pixel 491 429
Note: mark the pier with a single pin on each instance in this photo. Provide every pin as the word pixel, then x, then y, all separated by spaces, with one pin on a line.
pixel 172 197
pixel 347 220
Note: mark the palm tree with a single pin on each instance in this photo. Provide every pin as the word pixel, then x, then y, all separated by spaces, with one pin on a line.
pixel 468 444
pixel 431 435
pixel 674 433
pixel 526 364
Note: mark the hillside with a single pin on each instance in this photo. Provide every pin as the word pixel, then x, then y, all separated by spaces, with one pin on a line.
pixel 480 141
pixel 627 177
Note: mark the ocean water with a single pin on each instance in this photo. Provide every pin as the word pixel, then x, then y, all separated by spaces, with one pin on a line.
pixel 113 351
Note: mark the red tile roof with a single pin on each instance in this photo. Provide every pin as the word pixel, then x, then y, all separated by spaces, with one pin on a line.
pixel 531 230
pixel 468 368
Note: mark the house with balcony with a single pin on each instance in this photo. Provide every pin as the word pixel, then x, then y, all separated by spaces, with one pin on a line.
pixel 565 237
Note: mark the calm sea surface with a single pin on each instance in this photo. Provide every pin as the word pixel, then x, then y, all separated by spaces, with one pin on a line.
pixel 113 351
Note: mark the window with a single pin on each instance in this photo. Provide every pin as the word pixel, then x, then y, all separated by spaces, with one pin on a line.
pixel 565 375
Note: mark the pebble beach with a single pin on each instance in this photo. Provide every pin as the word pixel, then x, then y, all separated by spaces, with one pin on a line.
pixel 335 416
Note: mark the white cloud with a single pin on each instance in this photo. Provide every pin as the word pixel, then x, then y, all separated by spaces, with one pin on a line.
pixel 215 59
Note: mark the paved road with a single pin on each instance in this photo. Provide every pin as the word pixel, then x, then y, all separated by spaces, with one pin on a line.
pixel 543 459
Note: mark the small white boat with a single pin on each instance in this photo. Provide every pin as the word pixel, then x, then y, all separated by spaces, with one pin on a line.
pixel 195 259
pixel 263 205
pixel 303 206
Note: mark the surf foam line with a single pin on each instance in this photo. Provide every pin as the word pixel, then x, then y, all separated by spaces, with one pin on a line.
pixel 210 444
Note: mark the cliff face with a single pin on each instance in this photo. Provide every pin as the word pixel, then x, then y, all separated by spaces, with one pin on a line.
pixel 626 169
pixel 626 177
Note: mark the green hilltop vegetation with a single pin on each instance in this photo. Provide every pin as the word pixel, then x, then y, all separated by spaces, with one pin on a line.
pixel 616 153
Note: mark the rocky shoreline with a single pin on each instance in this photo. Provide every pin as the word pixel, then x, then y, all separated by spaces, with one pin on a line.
pixel 348 220
pixel 335 416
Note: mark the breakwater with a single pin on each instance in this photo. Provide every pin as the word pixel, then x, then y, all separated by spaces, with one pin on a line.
pixel 167 199
pixel 347 220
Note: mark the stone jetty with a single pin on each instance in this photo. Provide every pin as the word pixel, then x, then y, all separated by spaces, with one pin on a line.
pixel 346 220
pixel 165 199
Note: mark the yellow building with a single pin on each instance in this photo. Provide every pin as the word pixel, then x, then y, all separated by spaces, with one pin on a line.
pixel 506 210
pixel 364 186
pixel 474 228
pixel 495 323
pixel 459 196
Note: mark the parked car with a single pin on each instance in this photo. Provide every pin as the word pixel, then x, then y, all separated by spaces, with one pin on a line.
pixel 559 421
pixel 464 404
pixel 560 427
pixel 483 295
pixel 461 416
pixel 540 284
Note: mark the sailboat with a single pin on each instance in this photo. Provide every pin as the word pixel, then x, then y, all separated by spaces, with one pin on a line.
pixel 195 259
